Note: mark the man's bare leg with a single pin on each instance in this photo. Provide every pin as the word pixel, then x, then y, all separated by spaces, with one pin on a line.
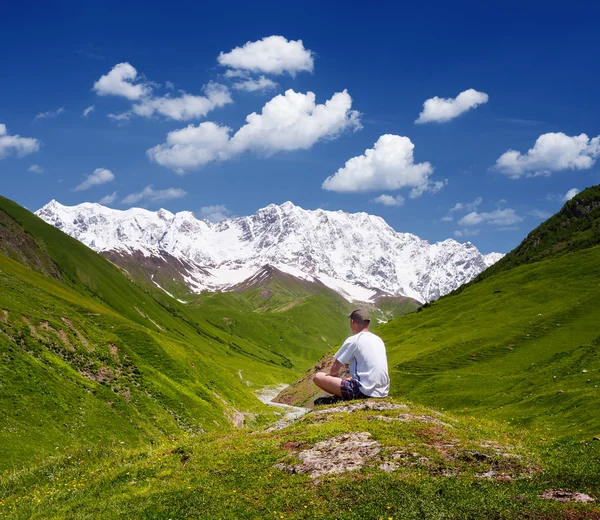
pixel 328 383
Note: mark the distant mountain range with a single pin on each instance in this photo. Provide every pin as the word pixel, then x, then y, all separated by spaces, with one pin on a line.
pixel 358 255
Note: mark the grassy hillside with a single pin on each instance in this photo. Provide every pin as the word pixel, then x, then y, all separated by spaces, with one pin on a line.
pixel 391 460
pixel 88 357
pixel 576 226
pixel 521 346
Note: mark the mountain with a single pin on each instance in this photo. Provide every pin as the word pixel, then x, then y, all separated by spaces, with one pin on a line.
pixel 358 255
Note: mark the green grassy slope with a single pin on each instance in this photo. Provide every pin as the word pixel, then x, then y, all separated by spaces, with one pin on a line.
pixel 416 463
pixel 86 356
pixel 522 346
pixel 576 226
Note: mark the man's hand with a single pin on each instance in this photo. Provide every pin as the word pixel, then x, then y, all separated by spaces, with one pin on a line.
pixel 335 368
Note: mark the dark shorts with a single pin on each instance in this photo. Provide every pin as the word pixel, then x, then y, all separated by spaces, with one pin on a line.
pixel 351 390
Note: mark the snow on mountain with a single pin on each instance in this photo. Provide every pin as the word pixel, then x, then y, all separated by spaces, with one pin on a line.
pixel 492 258
pixel 359 255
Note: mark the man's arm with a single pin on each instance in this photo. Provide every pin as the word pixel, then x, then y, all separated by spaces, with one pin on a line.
pixel 335 368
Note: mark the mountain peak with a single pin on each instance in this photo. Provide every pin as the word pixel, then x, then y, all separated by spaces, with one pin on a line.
pixel 357 254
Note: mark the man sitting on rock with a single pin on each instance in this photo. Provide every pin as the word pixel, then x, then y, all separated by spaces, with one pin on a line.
pixel 368 365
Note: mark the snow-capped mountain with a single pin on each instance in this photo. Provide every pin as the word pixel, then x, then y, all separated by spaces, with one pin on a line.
pixel 359 255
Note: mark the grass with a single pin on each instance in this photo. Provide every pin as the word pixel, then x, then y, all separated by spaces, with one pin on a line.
pixel 234 476
pixel 520 346
pixel 89 357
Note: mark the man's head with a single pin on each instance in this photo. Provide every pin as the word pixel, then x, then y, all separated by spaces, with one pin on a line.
pixel 359 320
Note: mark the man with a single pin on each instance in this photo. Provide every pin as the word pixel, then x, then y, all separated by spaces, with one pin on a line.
pixel 368 364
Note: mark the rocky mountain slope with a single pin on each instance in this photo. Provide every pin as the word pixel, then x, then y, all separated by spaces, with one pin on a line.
pixel 358 255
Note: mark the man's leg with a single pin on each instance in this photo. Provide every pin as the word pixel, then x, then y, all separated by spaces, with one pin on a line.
pixel 328 383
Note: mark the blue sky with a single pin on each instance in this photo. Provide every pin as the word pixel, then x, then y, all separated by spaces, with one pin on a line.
pixel 528 73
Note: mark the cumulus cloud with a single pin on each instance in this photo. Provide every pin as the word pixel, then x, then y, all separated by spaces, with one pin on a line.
pixel 499 217
pixel 294 121
pixel 271 55
pixel 463 233
pixel 35 168
pixel 214 213
pixel 89 110
pixel 570 194
pixel 389 200
pixel 551 152
pixel 287 122
pixel 15 144
pixel 120 82
pixel 51 113
pixel 430 187
pixel 108 199
pixel 462 206
pixel 180 107
pixel 389 165
pixel 152 195
pixel 184 107
pixel 440 110
pixel 191 147
pixel 254 85
pixel 99 176
pixel 539 214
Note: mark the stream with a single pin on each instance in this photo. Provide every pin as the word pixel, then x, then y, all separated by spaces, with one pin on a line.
pixel 268 393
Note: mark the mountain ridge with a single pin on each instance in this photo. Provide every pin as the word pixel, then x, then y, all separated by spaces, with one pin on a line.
pixel 359 255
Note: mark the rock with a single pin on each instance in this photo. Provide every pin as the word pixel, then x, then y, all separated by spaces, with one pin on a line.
pixel 347 452
pixel 368 404
pixel 560 495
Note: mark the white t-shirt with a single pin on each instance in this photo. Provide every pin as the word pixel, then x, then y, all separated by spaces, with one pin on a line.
pixel 368 363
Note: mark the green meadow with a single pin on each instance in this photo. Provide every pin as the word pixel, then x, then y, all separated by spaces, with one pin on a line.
pixel 118 401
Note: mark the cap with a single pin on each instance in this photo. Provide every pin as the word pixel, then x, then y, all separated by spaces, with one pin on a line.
pixel 360 315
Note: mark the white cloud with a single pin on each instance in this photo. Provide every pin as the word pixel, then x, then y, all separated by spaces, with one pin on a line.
pixel 236 73
pixel 50 113
pixel 89 110
pixel 551 152
pixel 293 121
pixel 570 194
pixel 214 213
pixel 499 217
pixel 462 207
pixel 120 82
pixel 100 176
pixel 431 187
pixel 152 195
pixel 191 147
pixel 463 233
pixel 170 85
pixel 287 122
pixel 271 55
pixel 108 199
pixel 15 144
pixel 184 107
pixel 539 214
pixel 35 168
pixel 440 110
pixel 389 200
pixel 389 165
pixel 466 206
pixel 253 85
